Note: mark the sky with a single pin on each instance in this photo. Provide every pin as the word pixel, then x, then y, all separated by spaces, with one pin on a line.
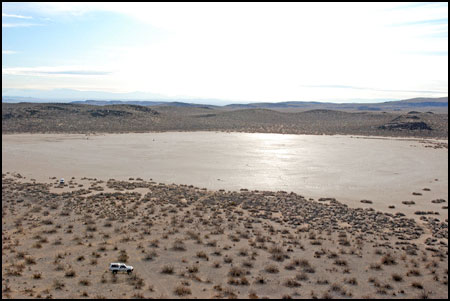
pixel 239 52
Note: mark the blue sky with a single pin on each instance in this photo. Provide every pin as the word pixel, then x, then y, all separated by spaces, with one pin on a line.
pixel 244 52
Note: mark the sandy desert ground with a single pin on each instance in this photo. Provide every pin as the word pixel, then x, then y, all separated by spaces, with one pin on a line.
pixel 186 241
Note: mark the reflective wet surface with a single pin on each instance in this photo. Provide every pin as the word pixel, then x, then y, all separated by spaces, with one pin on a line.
pixel 347 168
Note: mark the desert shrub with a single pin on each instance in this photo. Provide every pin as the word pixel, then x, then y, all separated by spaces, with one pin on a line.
pixel 238 281
pixel 30 260
pixel 138 296
pixel 37 245
pixel 247 264
pixel 375 266
pixel 178 245
pixel 20 255
pixel 227 259
pixel 193 235
pixel 57 242
pixel 244 281
pixel 236 272
pixel 292 283
pixel 212 243
pixel 243 252
pixel 413 272
pixel 408 202
pixel 322 281
pixel 123 257
pixel 193 269
pixel 149 256
pixel 167 269
pixel 85 282
pixel 344 242
pixel 272 269
pixel 217 252
pixel 352 281
pixel 309 270
pixel 253 295
pixel 290 266
pixel 47 222
pixel 340 262
pixel 202 254
pixel 234 238
pixel 182 290
pixel 301 262
pixel 70 273
pixel 388 259
pixel 260 280
pixel 335 287
pixel 301 277
pixel 91 228
pixel 58 284
pixel 136 281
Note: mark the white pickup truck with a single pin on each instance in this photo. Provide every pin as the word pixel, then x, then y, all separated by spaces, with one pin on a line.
pixel 120 267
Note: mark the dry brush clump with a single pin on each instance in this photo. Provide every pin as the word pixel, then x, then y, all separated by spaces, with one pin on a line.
pixel 413 272
pixel 168 269
pixel 292 282
pixel 203 255
pixel 417 285
pixel 30 260
pixel 84 282
pixel 136 281
pixel 58 284
pixel 236 272
pixel 37 275
pixel 149 256
pixel 278 254
pixel 182 290
pixel 388 259
pixel 179 245
pixel 70 273
pixel 123 256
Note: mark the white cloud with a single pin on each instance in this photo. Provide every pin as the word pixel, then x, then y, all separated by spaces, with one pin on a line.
pixel 16 16
pixel 62 71
pixel 19 24
pixel 8 52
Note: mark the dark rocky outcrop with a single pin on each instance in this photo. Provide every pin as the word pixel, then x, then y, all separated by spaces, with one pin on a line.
pixel 410 126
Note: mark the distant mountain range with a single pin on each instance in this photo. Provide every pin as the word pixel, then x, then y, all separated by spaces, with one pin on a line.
pixel 414 103
pixel 141 103
pixel 441 102
pixel 67 95
pixel 150 99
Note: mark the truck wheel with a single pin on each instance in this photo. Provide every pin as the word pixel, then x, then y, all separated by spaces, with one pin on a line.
pixel 129 272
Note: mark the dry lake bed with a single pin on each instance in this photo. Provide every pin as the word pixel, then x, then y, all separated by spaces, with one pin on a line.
pixel 229 227
pixel 386 171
